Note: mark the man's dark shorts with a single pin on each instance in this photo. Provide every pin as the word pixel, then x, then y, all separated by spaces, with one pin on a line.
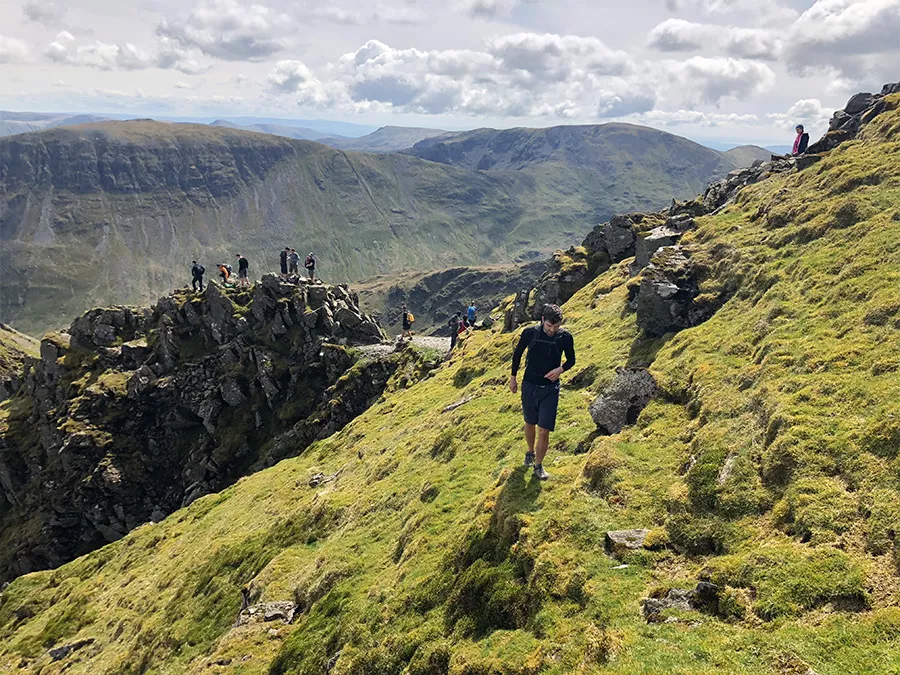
pixel 539 404
pixel 243 274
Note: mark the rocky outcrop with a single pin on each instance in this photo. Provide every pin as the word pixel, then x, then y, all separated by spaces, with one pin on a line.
pixel 137 412
pixel 623 400
pixel 846 124
pixel 668 297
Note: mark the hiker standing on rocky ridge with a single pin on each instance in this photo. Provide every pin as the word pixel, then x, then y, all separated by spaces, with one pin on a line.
pixel 243 271
pixel 456 328
pixel 407 320
pixel 197 272
pixel 310 265
pixel 801 142
pixel 294 263
pixel 471 314
pixel 546 343
pixel 283 259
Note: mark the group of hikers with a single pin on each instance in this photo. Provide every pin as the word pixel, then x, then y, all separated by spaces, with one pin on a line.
pixel 289 267
pixel 458 324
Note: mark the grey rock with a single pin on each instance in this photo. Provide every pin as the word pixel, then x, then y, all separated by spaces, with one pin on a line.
pixel 316 296
pixel 858 103
pixel 59 653
pixel 623 400
pixel 649 243
pixel 232 393
pixel 618 542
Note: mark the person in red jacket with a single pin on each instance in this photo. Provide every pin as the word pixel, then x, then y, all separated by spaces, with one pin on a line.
pixel 801 142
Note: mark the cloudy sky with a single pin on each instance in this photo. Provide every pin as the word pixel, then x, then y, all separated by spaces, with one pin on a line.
pixel 713 70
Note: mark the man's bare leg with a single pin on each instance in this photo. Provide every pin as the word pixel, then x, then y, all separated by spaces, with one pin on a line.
pixel 543 442
pixel 529 437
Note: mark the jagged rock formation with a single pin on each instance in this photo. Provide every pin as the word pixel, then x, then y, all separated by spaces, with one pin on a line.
pixel 136 412
pixel 845 124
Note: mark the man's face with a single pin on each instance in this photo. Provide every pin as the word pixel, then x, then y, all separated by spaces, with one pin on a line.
pixel 551 328
pixel 799 130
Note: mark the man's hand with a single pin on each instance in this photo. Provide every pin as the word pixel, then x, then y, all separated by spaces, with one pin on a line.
pixel 513 385
pixel 554 374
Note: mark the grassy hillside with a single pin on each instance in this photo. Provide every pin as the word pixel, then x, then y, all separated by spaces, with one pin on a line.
pixel 620 165
pixel 745 155
pixel 768 465
pixel 114 213
pixel 385 139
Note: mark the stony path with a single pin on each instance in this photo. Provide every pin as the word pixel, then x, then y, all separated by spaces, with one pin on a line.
pixel 439 343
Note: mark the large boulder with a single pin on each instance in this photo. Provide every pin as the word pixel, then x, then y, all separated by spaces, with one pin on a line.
pixel 622 401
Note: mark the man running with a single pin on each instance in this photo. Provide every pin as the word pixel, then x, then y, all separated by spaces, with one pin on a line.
pixel 197 272
pixel 284 260
pixel 243 271
pixel 546 344
pixel 294 262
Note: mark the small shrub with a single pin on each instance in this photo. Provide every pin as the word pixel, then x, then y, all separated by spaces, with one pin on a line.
pixel 817 509
pixel 599 471
pixel 882 436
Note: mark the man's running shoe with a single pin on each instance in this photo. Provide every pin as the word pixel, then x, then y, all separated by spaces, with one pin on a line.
pixel 540 473
pixel 529 459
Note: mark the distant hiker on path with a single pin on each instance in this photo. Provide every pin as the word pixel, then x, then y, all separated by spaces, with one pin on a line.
pixel 456 327
pixel 801 142
pixel 407 319
pixel 471 313
pixel 294 262
pixel 243 271
pixel 197 272
pixel 546 344
pixel 225 273
pixel 284 260
pixel 310 265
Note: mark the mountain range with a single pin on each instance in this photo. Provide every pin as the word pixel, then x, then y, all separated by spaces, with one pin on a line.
pixel 114 212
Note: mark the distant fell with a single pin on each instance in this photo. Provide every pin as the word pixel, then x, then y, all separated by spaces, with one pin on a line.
pixel 24 122
pixel 386 139
pixel 302 133
pixel 745 155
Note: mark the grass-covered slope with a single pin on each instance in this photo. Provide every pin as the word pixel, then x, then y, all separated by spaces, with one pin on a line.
pixel 768 464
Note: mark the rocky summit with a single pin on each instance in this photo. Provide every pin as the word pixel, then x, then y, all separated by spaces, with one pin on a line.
pixel 136 412
pixel 725 469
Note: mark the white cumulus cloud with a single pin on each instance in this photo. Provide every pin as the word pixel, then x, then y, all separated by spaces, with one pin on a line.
pixel 677 35
pixel 229 30
pixel 12 50
pixel 853 38
pixel 46 12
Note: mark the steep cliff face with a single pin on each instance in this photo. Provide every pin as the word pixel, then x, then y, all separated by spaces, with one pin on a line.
pixel 136 412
